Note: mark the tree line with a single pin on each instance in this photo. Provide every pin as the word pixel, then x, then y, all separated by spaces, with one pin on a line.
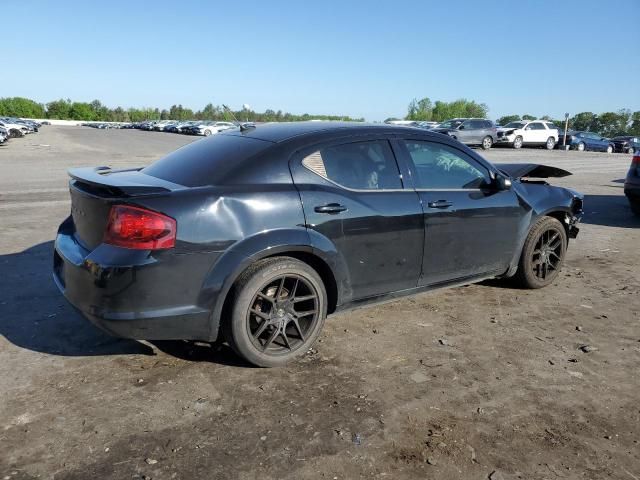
pixel 607 124
pixel 95 111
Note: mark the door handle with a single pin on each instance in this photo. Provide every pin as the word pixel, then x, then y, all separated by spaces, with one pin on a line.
pixel 439 204
pixel 330 208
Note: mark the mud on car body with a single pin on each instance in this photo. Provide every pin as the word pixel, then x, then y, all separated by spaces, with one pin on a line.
pixel 256 234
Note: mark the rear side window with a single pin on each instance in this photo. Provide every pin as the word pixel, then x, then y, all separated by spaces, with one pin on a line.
pixel 206 161
pixel 359 166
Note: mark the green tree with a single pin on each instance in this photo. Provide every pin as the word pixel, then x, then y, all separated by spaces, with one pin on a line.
pixel 526 116
pixel 420 110
pixel 59 109
pixel 585 121
pixel 508 119
pixel 81 111
pixel 21 107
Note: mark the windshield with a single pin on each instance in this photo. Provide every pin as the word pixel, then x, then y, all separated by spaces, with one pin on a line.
pixel 451 124
pixel 515 125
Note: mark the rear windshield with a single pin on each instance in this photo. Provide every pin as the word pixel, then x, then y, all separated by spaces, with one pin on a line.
pixel 207 161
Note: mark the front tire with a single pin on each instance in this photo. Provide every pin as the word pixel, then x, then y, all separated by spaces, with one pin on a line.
pixel 280 305
pixel 487 142
pixel 631 150
pixel 610 149
pixel 207 133
pixel 517 143
pixel 551 143
pixel 635 208
pixel 543 254
pixel 580 147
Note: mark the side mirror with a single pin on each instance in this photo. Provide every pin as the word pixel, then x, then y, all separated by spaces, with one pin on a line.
pixel 461 127
pixel 502 183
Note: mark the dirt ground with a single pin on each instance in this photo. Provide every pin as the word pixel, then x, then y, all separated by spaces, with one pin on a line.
pixel 483 381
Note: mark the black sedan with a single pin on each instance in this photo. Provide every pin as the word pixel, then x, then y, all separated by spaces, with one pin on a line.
pixel 254 235
pixel 626 144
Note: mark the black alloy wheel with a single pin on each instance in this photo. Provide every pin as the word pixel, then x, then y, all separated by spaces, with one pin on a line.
pixel 279 308
pixel 543 253
pixel 282 314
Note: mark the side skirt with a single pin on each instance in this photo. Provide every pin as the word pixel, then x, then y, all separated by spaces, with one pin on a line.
pixel 390 297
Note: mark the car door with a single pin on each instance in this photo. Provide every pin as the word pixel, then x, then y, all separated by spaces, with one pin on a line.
pixel 471 227
pixel 353 196
pixel 465 133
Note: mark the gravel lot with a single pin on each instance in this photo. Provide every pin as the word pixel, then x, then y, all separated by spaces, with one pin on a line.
pixel 450 385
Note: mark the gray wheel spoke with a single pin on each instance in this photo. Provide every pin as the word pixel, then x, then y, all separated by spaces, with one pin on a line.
pixel 280 287
pixel 303 298
pixel 297 325
pixel 306 313
pixel 265 297
pixel 292 293
pixel 271 338
pixel 261 329
pixel 286 339
pixel 259 314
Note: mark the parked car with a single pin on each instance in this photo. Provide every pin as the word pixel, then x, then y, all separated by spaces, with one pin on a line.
pixel 4 135
pixel 257 233
pixel 589 141
pixel 14 129
pixel 632 184
pixel 208 128
pixel 528 133
pixel 426 125
pixel 626 144
pixel 470 131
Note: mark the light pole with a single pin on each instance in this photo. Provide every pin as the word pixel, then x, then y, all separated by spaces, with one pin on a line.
pixel 566 126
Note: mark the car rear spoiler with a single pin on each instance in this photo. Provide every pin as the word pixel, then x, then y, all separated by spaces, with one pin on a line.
pixel 128 182
pixel 531 170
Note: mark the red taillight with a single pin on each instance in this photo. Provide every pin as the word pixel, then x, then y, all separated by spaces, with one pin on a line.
pixel 139 228
pixel 635 161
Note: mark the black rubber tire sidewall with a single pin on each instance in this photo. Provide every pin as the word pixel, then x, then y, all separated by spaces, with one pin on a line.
pixel 525 276
pixel 490 144
pixel 247 286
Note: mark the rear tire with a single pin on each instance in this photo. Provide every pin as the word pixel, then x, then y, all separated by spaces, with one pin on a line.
pixel 551 143
pixel 631 150
pixel 610 149
pixel 517 143
pixel 635 208
pixel 543 254
pixel 487 142
pixel 271 323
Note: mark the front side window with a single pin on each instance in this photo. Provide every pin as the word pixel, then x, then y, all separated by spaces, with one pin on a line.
pixel 359 166
pixel 439 167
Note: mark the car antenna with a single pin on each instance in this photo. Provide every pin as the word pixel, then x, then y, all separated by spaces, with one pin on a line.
pixel 243 126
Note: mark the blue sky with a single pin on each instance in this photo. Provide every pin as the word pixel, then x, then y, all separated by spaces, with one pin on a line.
pixel 360 58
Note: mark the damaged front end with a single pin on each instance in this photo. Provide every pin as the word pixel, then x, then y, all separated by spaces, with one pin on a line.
pixel 545 198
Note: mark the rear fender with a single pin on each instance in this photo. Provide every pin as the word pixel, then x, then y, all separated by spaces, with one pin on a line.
pixel 240 256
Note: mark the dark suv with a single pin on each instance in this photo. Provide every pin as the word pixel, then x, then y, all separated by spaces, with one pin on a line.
pixel 470 131
pixel 255 234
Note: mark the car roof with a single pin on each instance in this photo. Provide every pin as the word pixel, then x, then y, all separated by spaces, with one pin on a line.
pixel 282 131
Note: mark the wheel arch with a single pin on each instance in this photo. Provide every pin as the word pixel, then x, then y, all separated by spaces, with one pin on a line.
pixel 218 290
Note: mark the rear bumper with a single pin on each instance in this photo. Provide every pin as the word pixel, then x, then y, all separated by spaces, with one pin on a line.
pixel 632 191
pixel 128 293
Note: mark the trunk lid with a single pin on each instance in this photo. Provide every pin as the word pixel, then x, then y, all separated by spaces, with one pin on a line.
pixel 94 190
